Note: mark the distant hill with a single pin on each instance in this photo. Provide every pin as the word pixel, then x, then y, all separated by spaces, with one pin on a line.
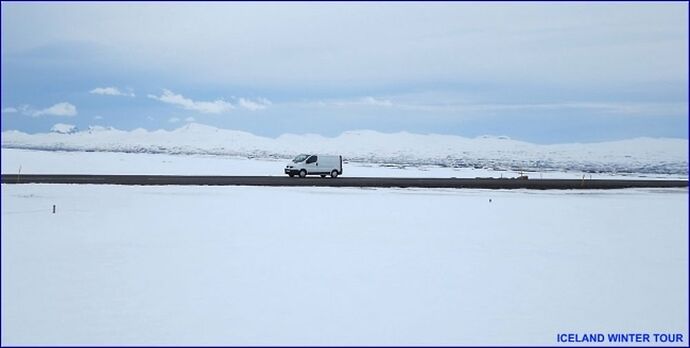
pixel 639 155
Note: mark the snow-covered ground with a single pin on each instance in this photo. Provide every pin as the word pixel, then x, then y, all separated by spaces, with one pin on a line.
pixel 16 161
pixel 641 155
pixel 119 265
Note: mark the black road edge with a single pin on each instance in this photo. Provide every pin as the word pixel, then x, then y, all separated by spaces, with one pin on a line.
pixel 478 183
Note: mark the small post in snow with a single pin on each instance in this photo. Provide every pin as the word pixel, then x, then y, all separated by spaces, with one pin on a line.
pixel 53 208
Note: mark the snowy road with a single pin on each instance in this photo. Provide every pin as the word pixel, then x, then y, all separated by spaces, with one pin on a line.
pixel 477 183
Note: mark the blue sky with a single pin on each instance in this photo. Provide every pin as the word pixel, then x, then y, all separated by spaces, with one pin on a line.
pixel 539 72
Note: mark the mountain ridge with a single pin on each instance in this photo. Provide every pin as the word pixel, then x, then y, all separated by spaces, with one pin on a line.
pixel 637 155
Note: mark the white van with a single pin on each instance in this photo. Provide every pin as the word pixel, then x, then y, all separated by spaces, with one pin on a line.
pixel 323 165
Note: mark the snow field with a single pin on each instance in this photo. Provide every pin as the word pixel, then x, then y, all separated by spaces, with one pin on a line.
pixel 119 265
pixel 59 162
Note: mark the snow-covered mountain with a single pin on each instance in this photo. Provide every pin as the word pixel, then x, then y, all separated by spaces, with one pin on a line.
pixel 640 155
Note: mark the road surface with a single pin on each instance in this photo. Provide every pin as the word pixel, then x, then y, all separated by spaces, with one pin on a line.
pixel 478 183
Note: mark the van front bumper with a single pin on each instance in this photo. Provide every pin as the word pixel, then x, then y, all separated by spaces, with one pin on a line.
pixel 291 171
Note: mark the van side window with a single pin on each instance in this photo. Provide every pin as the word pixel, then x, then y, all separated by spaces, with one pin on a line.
pixel 312 159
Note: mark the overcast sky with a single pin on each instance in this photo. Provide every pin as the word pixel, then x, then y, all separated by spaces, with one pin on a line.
pixel 545 73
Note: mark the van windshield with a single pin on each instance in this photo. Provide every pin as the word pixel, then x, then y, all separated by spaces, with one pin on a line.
pixel 300 158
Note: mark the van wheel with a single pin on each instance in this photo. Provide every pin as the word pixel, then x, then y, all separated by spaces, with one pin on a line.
pixel 302 173
pixel 334 174
pixel 323 175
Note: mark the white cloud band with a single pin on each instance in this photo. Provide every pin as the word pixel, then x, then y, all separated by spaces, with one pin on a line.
pixel 111 91
pixel 214 107
pixel 252 105
pixel 59 109
pixel 217 106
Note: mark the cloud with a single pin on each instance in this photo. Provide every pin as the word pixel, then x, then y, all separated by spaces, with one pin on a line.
pixel 215 107
pixel 485 50
pixel 375 102
pixel 626 108
pixel 451 103
pixel 59 109
pixel 111 91
pixel 259 104
pixel 211 107
pixel 173 120
pixel 363 101
pixel 63 128
pixel 98 117
pixel 189 119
